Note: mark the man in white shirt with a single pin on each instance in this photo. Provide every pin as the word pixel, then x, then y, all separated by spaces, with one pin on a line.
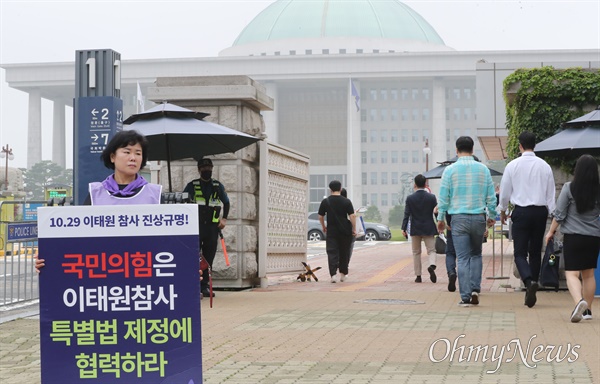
pixel 528 183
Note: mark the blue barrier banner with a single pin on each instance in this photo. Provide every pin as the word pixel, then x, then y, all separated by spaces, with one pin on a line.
pixel 22 231
pixel 120 295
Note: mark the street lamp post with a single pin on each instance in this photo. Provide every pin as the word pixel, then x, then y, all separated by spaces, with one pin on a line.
pixel 426 151
pixel 6 153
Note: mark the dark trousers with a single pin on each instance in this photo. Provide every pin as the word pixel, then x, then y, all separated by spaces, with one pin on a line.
pixel 209 238
pixel 528 227
pixel 338 253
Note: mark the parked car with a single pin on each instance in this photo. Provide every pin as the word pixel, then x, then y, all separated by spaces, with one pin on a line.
pixel 373 231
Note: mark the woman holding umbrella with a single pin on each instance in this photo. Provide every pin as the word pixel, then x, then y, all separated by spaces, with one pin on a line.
pixel 578 213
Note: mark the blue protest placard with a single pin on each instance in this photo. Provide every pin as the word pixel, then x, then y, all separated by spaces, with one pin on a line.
pixel 120 294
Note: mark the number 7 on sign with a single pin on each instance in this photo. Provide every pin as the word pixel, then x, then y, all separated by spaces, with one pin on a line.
pixel 105 137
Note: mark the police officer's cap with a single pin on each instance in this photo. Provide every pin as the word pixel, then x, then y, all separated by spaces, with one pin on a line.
pixel 205 161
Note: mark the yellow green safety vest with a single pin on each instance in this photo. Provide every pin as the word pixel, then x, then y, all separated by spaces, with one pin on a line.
pixel 213 203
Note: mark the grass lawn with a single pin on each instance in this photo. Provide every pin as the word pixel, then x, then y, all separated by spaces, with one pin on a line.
pixel 397 234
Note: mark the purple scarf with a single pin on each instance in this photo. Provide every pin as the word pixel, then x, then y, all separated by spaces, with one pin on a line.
pixel 110 184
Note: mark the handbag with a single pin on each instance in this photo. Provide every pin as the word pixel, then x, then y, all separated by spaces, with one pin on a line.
pixel 549 271
pixel 440 244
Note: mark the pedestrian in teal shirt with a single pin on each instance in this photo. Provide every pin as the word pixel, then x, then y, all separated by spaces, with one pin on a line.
pixel 467 193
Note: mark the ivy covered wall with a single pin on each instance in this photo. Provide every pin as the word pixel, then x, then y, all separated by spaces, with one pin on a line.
pixel 539 100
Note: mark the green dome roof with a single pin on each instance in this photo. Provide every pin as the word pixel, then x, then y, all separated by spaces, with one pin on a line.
pixel 290 19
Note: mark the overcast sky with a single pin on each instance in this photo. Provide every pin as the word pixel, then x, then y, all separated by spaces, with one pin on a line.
pixel 49 31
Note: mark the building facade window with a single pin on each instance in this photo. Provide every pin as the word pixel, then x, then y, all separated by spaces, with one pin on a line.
pixel 426 115
pixel 363 157
pixel 384 199
pixel 384 135
pixel 364 199
pixel 415 94
pixel 364 178
pixel 373 95
pixel 384 178
pixel 415 157
pixel 394 178
pixel 384 115
pixel 415 136
pixel 404 157
pixel 373 178
pixel 394 156
pixel 374 199
pixel 373 157
pixel 394 114
pixel 373 135
pixel 425 94
pixel 384 157
pixel 394 135
pixel 404 135
pixel 363 135
pixel 394 93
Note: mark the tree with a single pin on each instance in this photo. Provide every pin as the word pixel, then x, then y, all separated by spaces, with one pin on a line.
pixel 539 100
pixel 372 214
pixel 44 174
pixel 396 215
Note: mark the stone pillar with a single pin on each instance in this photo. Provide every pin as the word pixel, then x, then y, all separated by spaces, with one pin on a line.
pixel 34 128
pixel 235 102
pixel 59 134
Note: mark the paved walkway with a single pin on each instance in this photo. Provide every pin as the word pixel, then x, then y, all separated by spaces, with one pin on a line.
pixel 378 327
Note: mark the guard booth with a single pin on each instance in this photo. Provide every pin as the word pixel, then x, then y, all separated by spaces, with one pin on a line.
pixel 58 191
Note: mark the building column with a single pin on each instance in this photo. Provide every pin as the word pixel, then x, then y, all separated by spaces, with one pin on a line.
pixel 34 128
pixel 59 155
pixel 437 143
pixel 270 117
pixel 353 148
pixel 438 126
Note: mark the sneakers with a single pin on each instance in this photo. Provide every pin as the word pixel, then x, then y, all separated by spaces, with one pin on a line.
pixel 464 303
pixel 474 298
pixel 432 275
pixel 418 279
pixel 333 279
pixel 342 277
pixel 577 314
pixel 452 283
pixel 587 314
pixel 530 297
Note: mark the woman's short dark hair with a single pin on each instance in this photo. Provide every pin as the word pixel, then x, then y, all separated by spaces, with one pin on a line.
pixel 121 140
pixel 585 186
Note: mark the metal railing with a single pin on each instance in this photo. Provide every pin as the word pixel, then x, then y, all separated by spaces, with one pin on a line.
pixel 18 246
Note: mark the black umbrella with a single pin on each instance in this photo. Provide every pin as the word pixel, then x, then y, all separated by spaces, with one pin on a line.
pixel 436 173
pixel 177 133
pixel 581 136
pixel 587 120
pixel 571 141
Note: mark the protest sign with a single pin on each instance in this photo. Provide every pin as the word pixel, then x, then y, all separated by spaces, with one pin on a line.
pixel 120 294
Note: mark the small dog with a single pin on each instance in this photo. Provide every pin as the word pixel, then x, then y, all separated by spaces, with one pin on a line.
pixel 310 273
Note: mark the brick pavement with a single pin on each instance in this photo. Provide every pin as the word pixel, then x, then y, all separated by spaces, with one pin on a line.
pixel 378 327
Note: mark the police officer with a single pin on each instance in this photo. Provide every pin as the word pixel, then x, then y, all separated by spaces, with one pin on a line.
pixel 209 194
